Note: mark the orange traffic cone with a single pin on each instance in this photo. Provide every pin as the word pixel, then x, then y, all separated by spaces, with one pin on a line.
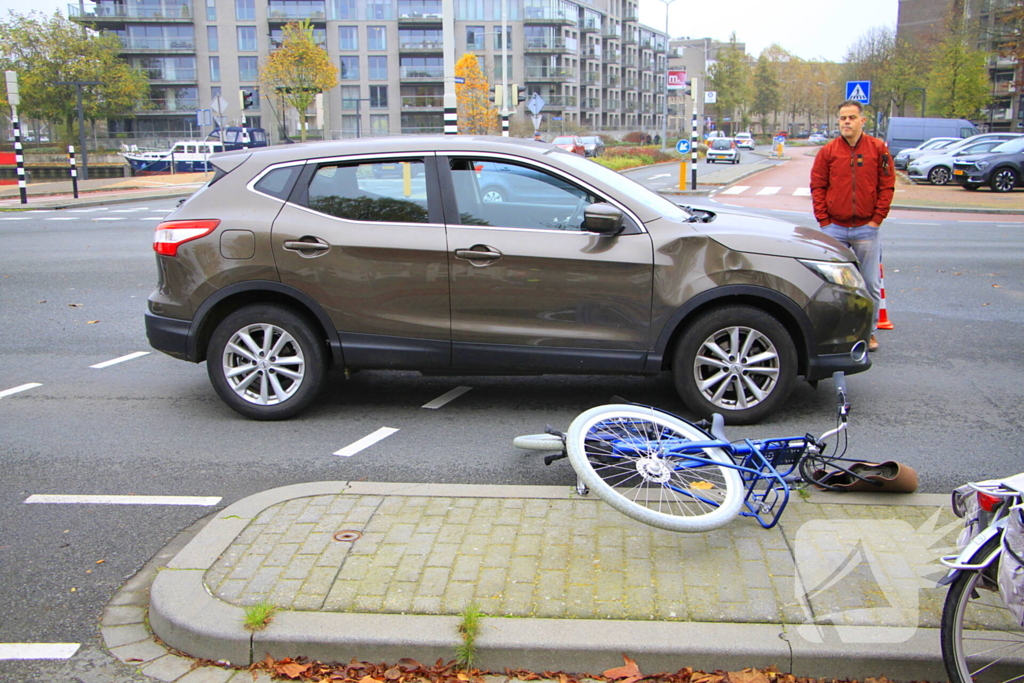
pixel 883 316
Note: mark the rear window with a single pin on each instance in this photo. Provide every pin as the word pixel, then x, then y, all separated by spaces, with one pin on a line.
pixel 278 183
pixel 721 143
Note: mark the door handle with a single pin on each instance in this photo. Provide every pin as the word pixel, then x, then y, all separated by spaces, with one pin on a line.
pixel 308 246
pixel 477 254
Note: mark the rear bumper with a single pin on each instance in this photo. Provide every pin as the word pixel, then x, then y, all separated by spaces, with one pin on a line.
pixel 168 335
pixel 822 367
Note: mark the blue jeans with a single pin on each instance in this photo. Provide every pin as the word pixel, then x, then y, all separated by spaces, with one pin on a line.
pixel 867 245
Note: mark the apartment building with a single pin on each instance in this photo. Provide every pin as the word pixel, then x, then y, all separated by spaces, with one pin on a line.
pixel 592 62
pixel 923 22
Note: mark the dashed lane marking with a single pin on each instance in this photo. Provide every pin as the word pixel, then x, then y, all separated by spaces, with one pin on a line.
pixel 61 499
pixel 660 175
pixel 735 189
pixel 127 210
pixel 802 192
pixel 110 218
pixel 446 398
pixel 16 218
pixel 768 190
pixel 19 388
pixel 66 218
pixel 366 441
pixel 151 218
pixel 115 361
pixel 38 650
pixel 86 210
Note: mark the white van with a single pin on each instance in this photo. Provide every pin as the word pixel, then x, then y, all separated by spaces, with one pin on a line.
pixel 904 131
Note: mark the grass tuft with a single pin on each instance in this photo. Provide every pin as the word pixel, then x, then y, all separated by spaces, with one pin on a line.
pixel 258 616
pixel 469 629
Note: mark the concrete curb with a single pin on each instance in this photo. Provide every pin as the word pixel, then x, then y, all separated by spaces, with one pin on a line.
pixel 188 618
pixel 87 199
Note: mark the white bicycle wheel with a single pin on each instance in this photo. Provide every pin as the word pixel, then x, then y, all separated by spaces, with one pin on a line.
pixel 624 454
pixel 538 442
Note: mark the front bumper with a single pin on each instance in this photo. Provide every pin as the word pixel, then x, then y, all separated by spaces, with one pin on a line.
pixel 972 176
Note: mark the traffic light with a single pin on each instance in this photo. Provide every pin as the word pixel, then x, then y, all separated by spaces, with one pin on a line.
pixel 497 94
pixel 520 94
pixel 688 88
pixel 245 98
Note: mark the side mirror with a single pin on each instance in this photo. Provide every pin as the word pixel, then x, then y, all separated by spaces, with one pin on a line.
pixel 602 218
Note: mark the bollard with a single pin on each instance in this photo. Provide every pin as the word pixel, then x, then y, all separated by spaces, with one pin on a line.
pixel 74 170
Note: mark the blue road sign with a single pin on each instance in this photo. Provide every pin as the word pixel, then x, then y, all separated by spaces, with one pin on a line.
pixel 859 91
pixel 683 146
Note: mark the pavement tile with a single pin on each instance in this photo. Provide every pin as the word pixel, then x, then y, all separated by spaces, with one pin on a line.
pixel 168 668
pixel 137 653
pixel 114 636
pixel 207 674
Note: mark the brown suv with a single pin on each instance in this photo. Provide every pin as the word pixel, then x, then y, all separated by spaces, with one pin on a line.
pixel 385 253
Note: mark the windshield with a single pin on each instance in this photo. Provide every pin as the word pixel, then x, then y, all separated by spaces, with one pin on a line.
pixel 562 140
pixel 636 191
pixel 1015 145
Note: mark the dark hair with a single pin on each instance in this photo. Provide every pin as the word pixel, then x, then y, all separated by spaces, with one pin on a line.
pixel 852 103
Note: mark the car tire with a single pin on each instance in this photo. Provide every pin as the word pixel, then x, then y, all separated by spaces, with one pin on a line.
pixel 748 391
pixel 277 387
pixel 1003 180
pixel 939 175
pixel 492 195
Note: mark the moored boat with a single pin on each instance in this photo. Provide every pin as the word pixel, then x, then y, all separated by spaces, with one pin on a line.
pixel 193 156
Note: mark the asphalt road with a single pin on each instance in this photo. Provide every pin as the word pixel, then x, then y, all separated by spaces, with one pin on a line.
pixel 944 397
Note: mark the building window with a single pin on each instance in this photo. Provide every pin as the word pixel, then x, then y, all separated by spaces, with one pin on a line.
pixel 245 10
pixel 350 68
pixel 247 39
pixel 379 10
pixel 378 67
pixel 497 37
pixel 469 10
pixel 474 37
pixel 348 38
pixel 248 69
pixel 215 69
pixel 512 9
pixel 214 92
pixel 379 124
pixel 344 10
pixel 378 97
pixel 350 97
pixel 212 44
pixel 376 38
pixel 211 10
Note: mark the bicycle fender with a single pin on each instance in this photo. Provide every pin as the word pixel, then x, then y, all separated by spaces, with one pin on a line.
pixel 971 553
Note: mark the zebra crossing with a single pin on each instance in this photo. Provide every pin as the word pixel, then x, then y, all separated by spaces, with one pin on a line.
pixel 766 191
pixel 94 214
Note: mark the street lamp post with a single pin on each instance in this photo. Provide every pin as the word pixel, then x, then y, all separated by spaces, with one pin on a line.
pixel 81 123
pixel 664 109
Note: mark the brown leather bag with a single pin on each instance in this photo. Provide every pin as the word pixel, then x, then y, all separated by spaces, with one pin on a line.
pixel 885 477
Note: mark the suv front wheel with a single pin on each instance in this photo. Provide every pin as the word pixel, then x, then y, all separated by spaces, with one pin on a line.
pixel 265 362
pixel 738 361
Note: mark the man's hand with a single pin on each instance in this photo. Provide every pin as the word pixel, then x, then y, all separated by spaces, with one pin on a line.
pixel 872 224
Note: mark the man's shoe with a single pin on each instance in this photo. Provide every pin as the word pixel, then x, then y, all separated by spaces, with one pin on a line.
pixel 873 343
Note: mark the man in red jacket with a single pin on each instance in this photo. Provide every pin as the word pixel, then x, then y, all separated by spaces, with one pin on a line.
pixel 852 183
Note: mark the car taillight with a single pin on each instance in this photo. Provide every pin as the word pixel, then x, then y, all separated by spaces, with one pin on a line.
pixel 172 234
pixel 988 503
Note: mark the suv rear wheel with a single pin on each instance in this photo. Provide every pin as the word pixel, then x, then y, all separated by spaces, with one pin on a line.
pixel 265 362
pixel 1004 180
pixel 738 361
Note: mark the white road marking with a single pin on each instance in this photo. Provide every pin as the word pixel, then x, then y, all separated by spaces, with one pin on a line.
pixel 660 175
pixel 38 650
pixel 41 211
pixel 366 441
pixel 735 189
pixel 446 398
pixel 16 218
pixel 768 190
pixel 122 500
pixel 802 192
pixel 19 388
pixel 151 218
pixel 115 361
pixel 86 210
pixel 110 218
pixel 67 218
pixel 127 210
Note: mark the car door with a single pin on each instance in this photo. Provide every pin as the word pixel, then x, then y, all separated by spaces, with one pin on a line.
pixel 365 239
pixel 530 289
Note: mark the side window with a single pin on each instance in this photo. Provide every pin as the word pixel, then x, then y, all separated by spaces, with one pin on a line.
pixel 512 195
pixel 380 192
pixel 278 183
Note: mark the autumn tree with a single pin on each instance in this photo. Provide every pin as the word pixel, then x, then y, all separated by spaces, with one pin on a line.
pixel 477 115
pixel 959 86
pixel 729 78
pixel 766 91
pixel 46 51
pixel 1009 36
pixel 299 70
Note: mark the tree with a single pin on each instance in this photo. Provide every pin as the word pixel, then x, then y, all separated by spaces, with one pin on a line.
pixel 299 70
pixel 766 91
pixel 477 115
pixel 48 50
pixel 1008 34
pixel 729 77
pixel 959 85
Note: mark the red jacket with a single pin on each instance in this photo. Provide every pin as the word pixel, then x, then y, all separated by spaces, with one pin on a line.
pixel 852 186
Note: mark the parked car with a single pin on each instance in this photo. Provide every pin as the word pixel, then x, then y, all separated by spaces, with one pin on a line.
pixel 295 259
pixel 816 139
pixel 937 168
pixel 744 141
pixel 593 145
pixel 903 158
pixel 723 149
pixel 1002 168
pixel 571 143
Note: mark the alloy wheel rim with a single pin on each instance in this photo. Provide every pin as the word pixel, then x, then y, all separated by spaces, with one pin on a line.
pixel 263 364
pixel 1004 181
pixel 736 368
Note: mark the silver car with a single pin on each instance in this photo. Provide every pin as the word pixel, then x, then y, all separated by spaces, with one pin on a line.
pixel 937 168
pixel 905 156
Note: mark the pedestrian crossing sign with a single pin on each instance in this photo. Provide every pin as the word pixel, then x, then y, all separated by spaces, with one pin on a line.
pixel 859 91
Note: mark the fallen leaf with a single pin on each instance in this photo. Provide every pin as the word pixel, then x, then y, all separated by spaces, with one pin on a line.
pixel 73 590
pixel 100 561
pixel 984 304
pixel 703 485
pixel 957 273
pixel 628 670
pixel 88 571
pixel 292 669
pixel 75 305
pixel 747 676
pixel 91 322
pixel 393 674
pixel 998 286
pixel 43 301
pixel 368 679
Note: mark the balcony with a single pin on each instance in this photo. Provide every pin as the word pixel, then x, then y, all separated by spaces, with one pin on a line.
pixel 179 78
pixel 549 44
pixel 590 26
pixel 591 52
pixel 550 73
pixel 418 18
pixel 629 83
pixel 1004 88
pixel 591 78
pixel 629 38
pixel 629 107
pixel 592 103
pixel 178 12
pixel 612 33
pixel 647 65
pixel 177 45
pixel 612 57
pixel 612 81
pixel 421 73
pixel 549 15
pixel 629 61
pixel 284 15
pixel 560 101
pixel 405 45
pixel 169 105
pixel 422 102
pixel 612 105
pixel 630 14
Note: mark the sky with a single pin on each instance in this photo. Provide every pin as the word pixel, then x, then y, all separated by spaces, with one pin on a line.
pixel 809 29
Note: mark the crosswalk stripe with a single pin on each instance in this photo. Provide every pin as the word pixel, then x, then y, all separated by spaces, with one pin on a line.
pixel 768 190
pixel 121 500
pixel 446 398
pixel 735 189
pixel 121 359
pixel 366 441
pixel 19 388
pixel 802 192
pixel 38 650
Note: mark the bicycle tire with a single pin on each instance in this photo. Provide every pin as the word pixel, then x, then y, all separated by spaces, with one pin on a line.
pixel 673 493
pixel 973 599
pixel 539 442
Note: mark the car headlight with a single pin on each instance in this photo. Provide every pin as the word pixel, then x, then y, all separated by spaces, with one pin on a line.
pixel 982 165
pixel 842 274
